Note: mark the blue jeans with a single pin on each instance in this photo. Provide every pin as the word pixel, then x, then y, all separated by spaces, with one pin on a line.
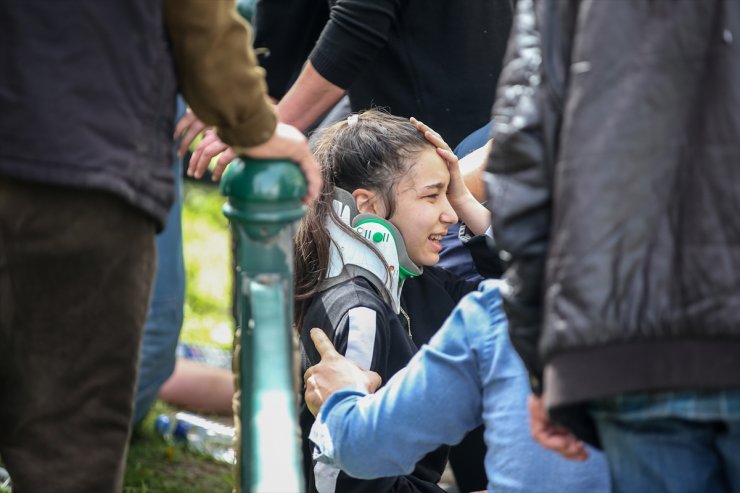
pixel 654 453
pixel 162 328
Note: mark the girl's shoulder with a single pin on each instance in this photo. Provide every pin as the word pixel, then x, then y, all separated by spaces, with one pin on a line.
pixel 329 307
pixel 357 288
pixel 359 324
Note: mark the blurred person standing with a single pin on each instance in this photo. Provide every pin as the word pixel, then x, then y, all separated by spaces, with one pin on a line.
pixel 614 192
pixel 87 98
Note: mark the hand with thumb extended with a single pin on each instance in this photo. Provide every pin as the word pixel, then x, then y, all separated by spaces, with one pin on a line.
pixel 334 372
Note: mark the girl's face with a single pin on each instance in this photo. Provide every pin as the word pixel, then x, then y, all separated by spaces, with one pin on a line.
pixel 422 213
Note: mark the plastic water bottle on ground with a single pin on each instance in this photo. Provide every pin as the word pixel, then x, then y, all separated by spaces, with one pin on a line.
pixel 211 356
pixel 202 435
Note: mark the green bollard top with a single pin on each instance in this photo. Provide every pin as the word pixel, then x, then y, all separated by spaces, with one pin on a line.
pixel 263 194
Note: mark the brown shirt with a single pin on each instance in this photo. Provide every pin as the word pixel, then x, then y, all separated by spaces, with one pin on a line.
pixel 218 77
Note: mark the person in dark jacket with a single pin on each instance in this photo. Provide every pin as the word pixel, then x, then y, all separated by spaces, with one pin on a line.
pixel 386 183
pixel 614 191
pixel 87 99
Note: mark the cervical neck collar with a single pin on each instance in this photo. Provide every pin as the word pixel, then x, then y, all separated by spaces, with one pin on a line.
pixel 351 256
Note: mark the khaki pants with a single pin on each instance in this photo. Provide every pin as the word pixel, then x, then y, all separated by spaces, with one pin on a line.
pixel 76 268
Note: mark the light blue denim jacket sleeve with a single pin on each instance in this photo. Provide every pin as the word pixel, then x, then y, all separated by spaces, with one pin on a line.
pixel 436 399
pixel 468 373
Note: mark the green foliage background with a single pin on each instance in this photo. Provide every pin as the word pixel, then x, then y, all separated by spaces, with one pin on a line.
pixel 207 245
pixel 154 466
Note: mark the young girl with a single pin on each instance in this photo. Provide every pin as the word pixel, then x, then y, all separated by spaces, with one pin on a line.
pixel 391 190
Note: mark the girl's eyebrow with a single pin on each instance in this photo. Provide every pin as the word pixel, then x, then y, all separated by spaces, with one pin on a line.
pixel 437 186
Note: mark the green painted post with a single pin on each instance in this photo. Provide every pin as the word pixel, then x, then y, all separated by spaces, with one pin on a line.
pixel 264 201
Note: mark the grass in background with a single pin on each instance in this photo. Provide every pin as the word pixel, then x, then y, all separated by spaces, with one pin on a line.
pixel 153 465
pixel 208 319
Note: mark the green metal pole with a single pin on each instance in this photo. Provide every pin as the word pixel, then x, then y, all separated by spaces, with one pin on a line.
pixel 264 201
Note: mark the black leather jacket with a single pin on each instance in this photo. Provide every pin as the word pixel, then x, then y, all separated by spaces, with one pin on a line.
pixel 614 186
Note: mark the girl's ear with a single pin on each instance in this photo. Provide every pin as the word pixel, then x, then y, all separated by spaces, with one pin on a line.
pixel 367 202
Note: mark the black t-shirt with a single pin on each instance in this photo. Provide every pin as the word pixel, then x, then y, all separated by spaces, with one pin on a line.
pixel 433 59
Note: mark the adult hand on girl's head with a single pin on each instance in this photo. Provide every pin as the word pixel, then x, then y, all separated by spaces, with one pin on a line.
pixel 467 208
pixel 334 372
pixel 457 193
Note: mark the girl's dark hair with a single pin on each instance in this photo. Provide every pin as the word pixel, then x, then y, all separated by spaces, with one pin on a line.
pixel 368 150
